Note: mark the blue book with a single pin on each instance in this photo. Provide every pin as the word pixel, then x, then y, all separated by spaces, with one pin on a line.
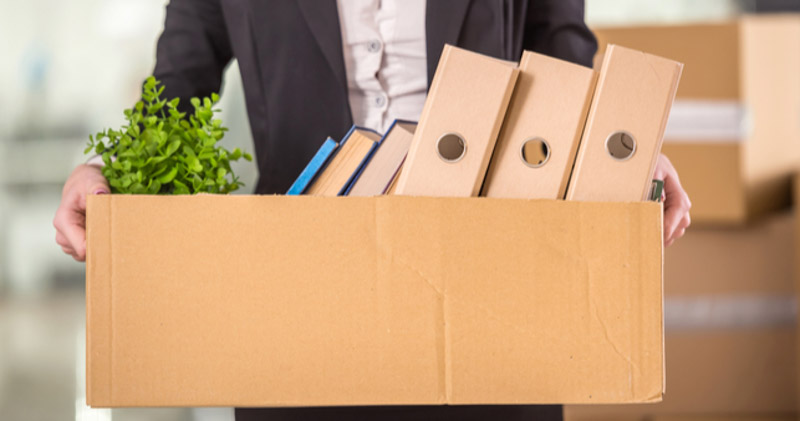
pixel 313 168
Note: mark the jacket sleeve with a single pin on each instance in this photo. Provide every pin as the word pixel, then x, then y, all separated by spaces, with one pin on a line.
pixel 193 50
pixel 557 28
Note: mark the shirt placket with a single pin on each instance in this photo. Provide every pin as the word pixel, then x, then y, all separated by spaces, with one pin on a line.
pixel 376 96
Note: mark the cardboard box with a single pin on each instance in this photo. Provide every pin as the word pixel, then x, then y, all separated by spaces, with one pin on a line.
pixel 719 417
pixel 726 371
pixel 734 131
pixel 796 268
pixel 730 335
pixel 305 301
pixel 756 260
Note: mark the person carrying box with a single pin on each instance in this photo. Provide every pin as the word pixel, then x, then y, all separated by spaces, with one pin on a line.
pixel 313 68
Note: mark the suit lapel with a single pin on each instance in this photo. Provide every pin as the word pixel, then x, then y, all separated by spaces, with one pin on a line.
pixel 322 17
pixel 443 21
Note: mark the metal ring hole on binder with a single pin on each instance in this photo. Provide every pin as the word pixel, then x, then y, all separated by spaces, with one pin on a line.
pixel 535 152
pixel 621 145
pixel 451 147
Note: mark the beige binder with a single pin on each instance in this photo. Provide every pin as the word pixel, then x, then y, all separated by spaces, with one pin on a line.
pixel 537 144
pixel 625 127
pixel 454 140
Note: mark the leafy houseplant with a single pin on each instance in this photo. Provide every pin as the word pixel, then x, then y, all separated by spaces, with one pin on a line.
pixel 161 151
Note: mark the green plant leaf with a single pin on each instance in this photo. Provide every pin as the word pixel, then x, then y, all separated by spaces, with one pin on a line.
pixel 173 146
pixel 161 150
pixel 166 178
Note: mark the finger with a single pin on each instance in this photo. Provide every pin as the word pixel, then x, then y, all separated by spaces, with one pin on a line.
pixel 686 221
pixel 94 185
pixel 678 234
pixel 680 229
pixel 672 218
pixel 71 223
pixel 672 183
pixel 76 257
pixel 661 167
pixel 61 240
pixel 676 213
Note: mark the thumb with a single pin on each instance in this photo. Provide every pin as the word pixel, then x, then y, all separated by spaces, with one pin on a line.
pixel 94 185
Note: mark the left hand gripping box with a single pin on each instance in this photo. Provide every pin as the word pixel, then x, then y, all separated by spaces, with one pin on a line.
pixel 311 301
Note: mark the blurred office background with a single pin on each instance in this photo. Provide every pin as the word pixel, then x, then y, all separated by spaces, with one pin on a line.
pixel 69 68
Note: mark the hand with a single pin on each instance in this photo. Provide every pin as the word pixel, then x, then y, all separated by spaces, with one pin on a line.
pixel 676 201
pixel 70 220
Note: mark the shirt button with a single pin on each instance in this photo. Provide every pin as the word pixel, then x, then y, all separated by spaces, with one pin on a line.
pixel 380 100
pixel 373 46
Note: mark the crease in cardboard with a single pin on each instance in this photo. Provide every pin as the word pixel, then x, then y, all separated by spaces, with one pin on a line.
pixel 593 307
pixel 610 341
pixel 384 247
pixel 445 344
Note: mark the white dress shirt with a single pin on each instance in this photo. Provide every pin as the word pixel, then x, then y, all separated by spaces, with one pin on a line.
pixel 385 60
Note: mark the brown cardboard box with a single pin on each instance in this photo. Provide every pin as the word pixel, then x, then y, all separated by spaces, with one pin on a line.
pixel 726 371
pixel 796 268
pixel 275 300
pixel 734 132
pixel 730 339
pixel 756 260
pixel 718 417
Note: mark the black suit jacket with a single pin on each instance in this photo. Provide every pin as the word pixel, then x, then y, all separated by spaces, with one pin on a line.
pixel 292 66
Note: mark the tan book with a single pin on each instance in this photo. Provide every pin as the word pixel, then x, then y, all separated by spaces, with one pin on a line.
pixel 352 154
pixel 392 190
pixel 458 128
pixel 625 127
pixel 385 163
pixel 540 135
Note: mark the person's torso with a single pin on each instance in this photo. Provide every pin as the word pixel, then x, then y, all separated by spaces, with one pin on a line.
pixel 293 68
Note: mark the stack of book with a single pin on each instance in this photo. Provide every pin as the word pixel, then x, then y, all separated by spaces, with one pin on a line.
pixel 541 129
pixel 363 163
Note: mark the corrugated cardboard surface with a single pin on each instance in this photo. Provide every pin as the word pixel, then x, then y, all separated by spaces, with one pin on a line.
pixel 736 371
pixel 743 366
pixel 771 61
pixel 711 173
pixel 753 61
pixel 796 249
pixel 710 53
pixel 274 300
pixel 757 260
pixel 729 417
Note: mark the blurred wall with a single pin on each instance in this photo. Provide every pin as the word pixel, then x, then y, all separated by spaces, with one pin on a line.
pixel 616 12
pixel 69 69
